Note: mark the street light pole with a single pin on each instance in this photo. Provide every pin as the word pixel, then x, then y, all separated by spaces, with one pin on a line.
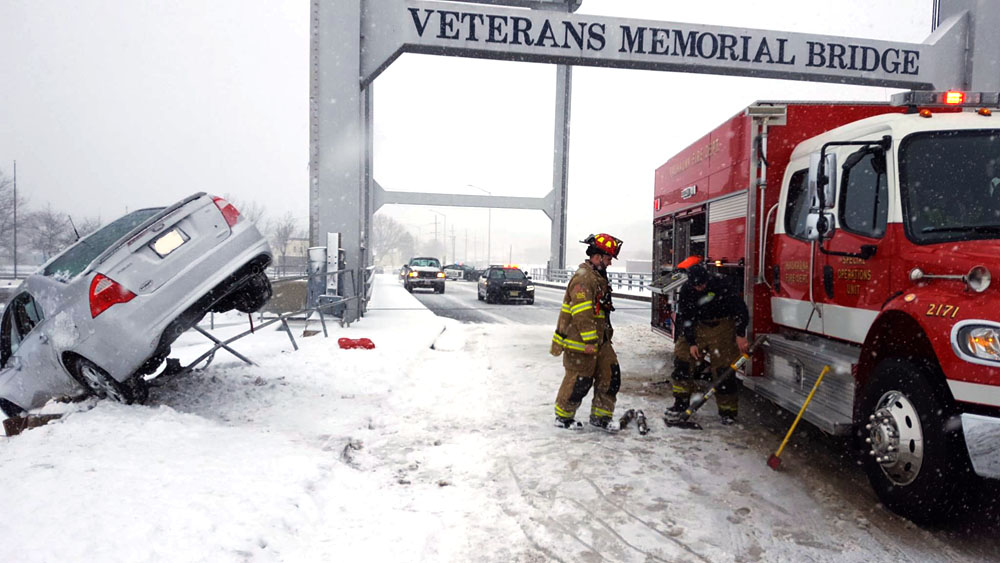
pixel 444 258
pixel 489 222
pixel 15 219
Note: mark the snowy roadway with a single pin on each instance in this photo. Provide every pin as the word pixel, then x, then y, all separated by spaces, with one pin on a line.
pixel 459 302
pixel 435 446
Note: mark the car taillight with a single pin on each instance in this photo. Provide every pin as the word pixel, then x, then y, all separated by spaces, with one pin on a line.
pixel 105 292
pixel 229 211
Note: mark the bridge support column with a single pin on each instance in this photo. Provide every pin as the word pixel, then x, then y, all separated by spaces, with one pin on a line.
pixel 560 167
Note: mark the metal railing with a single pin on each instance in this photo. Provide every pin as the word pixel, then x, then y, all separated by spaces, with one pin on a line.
pixel 629 281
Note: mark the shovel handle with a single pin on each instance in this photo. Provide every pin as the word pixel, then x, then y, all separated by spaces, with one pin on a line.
pixel 802 410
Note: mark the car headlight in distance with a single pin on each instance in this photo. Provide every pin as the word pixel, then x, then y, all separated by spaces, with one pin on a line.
pixel 981 342
pixel 530 288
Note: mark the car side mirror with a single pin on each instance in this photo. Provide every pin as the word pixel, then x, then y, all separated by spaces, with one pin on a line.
pixel 820 225
pixel 822 180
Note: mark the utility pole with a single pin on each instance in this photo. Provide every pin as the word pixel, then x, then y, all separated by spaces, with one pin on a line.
pixel 15 219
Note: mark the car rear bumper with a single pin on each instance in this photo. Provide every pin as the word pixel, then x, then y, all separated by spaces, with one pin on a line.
pixel 982 438
pixel 126 335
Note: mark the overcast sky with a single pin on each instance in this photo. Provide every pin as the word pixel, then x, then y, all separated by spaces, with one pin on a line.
pixel 115 104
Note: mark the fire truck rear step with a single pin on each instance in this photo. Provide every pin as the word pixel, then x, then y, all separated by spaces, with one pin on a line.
pixel 793 363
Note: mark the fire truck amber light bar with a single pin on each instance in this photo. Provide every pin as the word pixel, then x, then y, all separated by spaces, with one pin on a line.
pixel 948 98
pixel 981 342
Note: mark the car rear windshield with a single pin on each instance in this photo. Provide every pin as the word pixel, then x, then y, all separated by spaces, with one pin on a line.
pixel 425 262
pixel 74 259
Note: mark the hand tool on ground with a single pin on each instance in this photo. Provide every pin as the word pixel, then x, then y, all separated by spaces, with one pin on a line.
pixel 775 460
pixel 626 418
pixel 640 421
pixel 684 420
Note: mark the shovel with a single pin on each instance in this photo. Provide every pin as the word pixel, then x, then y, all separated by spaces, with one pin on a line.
pixel 684 420
pixel 775 460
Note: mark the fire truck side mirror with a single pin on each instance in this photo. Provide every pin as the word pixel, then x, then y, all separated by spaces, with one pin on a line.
pixel 822 180
pixel 820 226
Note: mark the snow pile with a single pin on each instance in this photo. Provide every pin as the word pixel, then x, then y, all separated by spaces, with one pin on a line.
pixel 435 446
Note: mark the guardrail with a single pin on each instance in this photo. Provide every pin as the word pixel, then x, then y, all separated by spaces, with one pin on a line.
pixel 630 281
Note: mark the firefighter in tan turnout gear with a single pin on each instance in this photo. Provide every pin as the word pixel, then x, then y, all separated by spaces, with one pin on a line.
pixel 583 337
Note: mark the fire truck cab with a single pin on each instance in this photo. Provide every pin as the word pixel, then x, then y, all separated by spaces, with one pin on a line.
pixel 863 237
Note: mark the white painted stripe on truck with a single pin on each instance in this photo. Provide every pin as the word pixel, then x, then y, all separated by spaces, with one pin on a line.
pixel 846 323
pixel 975 393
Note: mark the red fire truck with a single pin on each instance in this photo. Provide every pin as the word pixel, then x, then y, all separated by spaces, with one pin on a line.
pixel 863 236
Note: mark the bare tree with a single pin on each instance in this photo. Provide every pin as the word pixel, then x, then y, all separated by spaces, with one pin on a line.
pixel 390 239
pixel 7 215
pixel 253 210
pixel 280 234
pixel 49 231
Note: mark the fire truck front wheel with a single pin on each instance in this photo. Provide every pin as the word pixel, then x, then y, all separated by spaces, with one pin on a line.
pixel 911 444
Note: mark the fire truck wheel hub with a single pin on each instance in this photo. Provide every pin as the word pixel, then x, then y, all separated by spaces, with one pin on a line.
pixel 897 441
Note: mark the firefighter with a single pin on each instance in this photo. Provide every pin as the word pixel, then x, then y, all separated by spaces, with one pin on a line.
pixel 583 337
pixel 711 316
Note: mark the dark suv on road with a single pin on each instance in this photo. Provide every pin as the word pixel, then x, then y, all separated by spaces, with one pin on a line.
pixel 505 283
pixel 424 272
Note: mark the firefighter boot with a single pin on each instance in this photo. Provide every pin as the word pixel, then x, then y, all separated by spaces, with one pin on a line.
pixel 564 422
pixel 727 398
pixel 600 421
pixel 681 404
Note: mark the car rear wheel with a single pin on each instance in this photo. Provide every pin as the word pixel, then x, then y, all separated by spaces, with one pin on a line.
pixel 10 409
pixel 99 382
pixel 254 294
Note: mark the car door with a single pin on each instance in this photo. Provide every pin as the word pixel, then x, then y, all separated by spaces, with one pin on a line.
pixel 30 374
pixel 853 287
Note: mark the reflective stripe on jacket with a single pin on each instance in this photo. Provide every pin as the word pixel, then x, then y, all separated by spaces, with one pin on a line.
pixel 581 320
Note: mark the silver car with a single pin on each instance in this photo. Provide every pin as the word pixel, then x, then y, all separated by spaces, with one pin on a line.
pixel 103 313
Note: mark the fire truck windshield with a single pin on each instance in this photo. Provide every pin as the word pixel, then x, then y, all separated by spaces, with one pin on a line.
pixel 950 185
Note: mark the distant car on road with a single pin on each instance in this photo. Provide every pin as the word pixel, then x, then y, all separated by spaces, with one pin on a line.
pixel 460 272
pixel 103 313
pixel 423 271
pixel 505 283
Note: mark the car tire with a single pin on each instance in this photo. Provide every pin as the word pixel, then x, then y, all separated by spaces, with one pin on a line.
pixel 440 289
pixel 479 295
pixel 905 417
pixel 531 301
pixel 10 409
pixel 99 382
pixel 254 294
pixel 408 287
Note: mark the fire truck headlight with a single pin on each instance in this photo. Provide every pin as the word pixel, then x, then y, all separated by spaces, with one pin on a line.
pixel 981 342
